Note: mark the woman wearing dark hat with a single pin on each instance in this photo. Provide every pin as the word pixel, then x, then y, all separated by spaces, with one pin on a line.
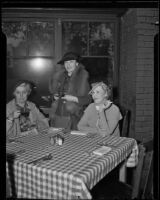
pixel 69 87
pixel 23 115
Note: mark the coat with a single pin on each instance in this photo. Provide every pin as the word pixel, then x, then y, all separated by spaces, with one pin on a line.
pixel 78 86
pixel 35 116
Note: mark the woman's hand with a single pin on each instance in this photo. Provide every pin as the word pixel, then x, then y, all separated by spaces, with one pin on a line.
pixel 68 97
pixel 16 114
pixel 104 106
pixel 56 97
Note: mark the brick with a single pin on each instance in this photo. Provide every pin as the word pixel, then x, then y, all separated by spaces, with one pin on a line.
pixel 145 38
pixel 144 79
pixel 148 118
pixel 140 118
pixel 148 101
pixel 144 61
pixel 144 26
pixel 140 90
pixel 148 44
pixel 141 19
pixel 151 19
pixel 144 96
pixel 149 90
pixel 148 67
pixel 148 112
pixel 143 124
pixel 145 55
pixel 140 107
pixel 145 12
pixel 144 84
pixel 143 129
pixel 139 101
pixel 144 73
pixel 146 32
pixel 139 112
pixel 145 50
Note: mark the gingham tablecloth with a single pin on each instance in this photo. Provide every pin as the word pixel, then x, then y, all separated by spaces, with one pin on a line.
pixel 71 173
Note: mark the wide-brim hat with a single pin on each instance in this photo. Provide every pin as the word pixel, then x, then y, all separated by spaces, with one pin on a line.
pixel 31 84
pixel 69 56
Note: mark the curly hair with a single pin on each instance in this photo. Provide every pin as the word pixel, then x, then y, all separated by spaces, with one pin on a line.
pixel 105 87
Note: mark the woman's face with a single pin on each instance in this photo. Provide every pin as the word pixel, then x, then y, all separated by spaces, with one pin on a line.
pixel 70 66
pixel 21 94
pixel 99 95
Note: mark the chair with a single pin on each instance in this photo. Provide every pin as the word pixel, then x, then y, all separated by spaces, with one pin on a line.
pixel 146 190
pixel 119 190
pixel 124 123
pixel 7 188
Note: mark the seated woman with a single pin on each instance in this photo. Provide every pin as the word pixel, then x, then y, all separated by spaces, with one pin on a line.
pixel 23 115
pixel 102 116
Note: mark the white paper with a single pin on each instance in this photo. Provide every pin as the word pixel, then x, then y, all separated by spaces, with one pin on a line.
pixel 78 133
pixel 102 150
pixel 54 130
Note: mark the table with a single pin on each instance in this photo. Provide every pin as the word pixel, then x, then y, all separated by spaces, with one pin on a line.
pixel 71 173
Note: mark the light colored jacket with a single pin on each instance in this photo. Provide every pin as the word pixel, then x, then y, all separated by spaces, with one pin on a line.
pixel 89 120
pixel 35 116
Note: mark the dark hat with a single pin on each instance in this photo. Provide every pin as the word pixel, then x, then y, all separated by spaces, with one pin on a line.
pixel 69 56
pixel 31 85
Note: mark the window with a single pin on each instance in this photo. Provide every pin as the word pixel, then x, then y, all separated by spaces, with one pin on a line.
pixel 36 43
pixel 30 53
pixel 94 41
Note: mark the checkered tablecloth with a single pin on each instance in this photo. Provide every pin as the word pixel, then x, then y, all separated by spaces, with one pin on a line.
pixel 71 173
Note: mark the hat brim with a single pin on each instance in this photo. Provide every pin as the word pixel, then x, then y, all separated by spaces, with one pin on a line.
pixel 67 59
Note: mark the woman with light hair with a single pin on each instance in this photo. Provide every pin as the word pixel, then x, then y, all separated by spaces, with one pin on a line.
pixel 102 116
pixel 23 115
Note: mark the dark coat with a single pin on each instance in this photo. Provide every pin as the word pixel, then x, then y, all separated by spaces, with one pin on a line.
pixel 78 86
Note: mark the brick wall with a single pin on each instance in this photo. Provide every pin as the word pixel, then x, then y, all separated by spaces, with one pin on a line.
pixel 136 82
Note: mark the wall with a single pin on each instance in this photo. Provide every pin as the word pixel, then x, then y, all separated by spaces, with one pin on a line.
pixel 136 82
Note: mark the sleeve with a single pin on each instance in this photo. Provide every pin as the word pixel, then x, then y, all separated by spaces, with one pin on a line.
pixel 41 121
pixel 83 97
pixel 108 120
pixel 51 84
pixel 9 123
pixel 83 123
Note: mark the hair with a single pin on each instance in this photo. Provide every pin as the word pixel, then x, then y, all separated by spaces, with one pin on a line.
pixel 105 87
pixel 24 83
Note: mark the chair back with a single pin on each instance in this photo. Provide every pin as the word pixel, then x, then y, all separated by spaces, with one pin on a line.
pixel 148 176
pixel 137 174
pixel 8 194
pixel 124 123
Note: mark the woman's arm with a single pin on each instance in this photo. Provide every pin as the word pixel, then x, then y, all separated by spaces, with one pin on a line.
pixel 41 120
pixel 108 121
pixel 83 123
pixel 11 116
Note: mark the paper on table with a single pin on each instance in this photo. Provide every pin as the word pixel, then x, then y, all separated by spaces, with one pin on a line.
pixel 30 132
pixel 54 130
pixel 78 133
pixel 102 150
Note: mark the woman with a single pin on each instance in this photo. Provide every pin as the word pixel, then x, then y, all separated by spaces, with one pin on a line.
pixel 69 87
pixel 23 115
pixel 102 116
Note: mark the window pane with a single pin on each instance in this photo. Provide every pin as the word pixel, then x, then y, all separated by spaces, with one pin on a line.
pixel 101 39
pixel 36 70
pixel 74 37
pixel 41 39
pixel 16 38
pixel 100 69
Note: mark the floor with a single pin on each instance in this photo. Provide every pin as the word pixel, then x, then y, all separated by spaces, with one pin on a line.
pixel 110 189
